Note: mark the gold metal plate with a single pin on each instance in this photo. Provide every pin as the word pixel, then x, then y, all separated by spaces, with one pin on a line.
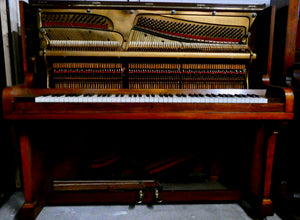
pixel 144 30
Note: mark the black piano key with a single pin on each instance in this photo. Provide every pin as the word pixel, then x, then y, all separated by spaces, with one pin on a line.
pixel 87 95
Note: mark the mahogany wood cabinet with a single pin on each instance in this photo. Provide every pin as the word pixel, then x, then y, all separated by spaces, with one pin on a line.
pixel 155 103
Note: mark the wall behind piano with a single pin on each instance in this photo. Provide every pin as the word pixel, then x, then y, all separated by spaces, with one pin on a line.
pixel 10 19
pixel 286 179
pixel 8 153
pixel 278 69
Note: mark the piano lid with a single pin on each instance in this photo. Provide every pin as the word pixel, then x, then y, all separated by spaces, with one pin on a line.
pixel 230 5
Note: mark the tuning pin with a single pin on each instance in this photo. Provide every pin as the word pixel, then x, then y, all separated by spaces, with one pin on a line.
pixel 245 37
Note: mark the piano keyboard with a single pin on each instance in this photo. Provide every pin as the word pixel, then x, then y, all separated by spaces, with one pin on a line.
pixel 151 98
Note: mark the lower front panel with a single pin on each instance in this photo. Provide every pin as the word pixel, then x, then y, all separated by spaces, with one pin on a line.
pixel 143 161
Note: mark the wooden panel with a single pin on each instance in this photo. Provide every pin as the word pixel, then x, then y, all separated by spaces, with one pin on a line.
pixel 291 35
pixel 109 185
pixel 246 56
pixel 131 197
pixel 143 116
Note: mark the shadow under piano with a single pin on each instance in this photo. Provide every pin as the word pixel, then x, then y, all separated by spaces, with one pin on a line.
pixel 130 103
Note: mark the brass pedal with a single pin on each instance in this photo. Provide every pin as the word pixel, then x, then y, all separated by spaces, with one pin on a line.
pixel 140 197
pixel 157 196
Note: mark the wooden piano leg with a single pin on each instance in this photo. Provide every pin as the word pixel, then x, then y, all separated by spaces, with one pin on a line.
pixel 30 208
pixel 256 176
pixel 261 170
pixel 267 205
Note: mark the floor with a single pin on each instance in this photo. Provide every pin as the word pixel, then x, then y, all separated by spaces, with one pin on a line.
pixel 124 212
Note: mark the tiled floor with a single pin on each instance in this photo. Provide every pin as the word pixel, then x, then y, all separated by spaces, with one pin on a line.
pixel 124 212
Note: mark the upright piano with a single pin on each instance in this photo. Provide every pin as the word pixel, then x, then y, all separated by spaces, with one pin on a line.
pixel 128 102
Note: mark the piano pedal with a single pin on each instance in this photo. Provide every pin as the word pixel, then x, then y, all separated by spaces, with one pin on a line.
pixel 157 196
pixel 140 197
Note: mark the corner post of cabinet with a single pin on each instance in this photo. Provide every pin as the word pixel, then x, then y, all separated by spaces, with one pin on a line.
pixel 26 155
pixel 262 168
pixel 267 205
pixel 30 208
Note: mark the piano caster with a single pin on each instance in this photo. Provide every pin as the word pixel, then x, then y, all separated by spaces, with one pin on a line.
pixel 157 196
pixel 140 197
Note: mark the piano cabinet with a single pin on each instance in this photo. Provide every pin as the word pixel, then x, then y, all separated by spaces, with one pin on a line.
pixel 176 149
pixel 147 162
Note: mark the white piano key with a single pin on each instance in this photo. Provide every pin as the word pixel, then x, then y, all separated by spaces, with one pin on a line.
pixel 80 98
pixel 109 98
pixel 47 98
pixel 113 99
pixel 89 98
pixel 263 100
pixel 38 99
pixel 234 99
pixel 97 99
pixel 143 99
pixel 71 98
pixel 137 99
pixel 60 99
pixel 125 99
